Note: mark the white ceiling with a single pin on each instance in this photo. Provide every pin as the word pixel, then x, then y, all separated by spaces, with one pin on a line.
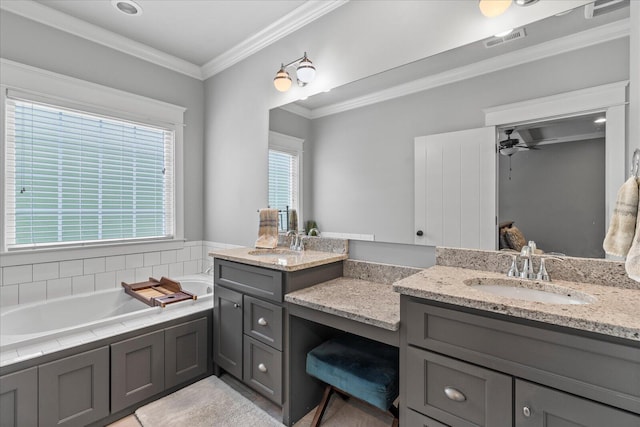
pixel 194 30
pixel 196 37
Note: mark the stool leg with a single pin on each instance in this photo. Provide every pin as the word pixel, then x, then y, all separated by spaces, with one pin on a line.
pixel 396 415
pixel 322 406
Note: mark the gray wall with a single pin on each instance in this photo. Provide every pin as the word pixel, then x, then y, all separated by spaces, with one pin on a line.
pixel 363 159
pixel 34 44
pixel 556 196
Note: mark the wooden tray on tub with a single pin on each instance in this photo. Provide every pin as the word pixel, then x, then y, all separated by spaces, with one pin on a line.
pixel 158 292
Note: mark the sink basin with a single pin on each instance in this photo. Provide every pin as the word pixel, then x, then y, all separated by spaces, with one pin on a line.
pixel 530 291
pixel 275 253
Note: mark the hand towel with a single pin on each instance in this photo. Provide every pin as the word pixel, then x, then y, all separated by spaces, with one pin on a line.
pixel 632 265
pixel 268 229
pixel 622 227
pixel 293 220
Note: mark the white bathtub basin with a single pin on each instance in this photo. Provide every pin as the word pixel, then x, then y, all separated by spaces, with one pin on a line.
pixel 28 323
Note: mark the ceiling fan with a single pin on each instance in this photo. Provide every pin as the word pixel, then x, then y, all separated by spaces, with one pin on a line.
pixel 511 145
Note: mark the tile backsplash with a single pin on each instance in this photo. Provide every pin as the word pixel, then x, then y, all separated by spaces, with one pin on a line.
pixel 22 284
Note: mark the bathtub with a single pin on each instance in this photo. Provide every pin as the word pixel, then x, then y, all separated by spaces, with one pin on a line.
pixel 45 320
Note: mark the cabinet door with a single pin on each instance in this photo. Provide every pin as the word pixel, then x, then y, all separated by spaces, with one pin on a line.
pixel 185 351
pixel 74 391
pixel 456 393
pixel 263 368
pixel 137 369
pixel 538 406
pixel 19 399
pixel 227 335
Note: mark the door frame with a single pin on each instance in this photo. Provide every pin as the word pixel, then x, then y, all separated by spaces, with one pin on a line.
pixel 609 98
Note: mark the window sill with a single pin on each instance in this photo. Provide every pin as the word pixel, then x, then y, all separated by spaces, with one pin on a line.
pixel 33 256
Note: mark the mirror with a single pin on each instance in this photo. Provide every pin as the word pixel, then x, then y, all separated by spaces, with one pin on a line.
pixel 358 149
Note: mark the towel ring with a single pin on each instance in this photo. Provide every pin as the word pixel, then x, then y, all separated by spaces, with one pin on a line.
pixel 635 163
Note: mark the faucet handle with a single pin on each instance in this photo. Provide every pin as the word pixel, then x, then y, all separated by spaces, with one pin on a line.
pixel 542 273
pixel 513 270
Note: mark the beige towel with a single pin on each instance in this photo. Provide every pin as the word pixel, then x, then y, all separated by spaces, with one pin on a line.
pixel 268 229
pixel 293 220
pixel 622 227
pixel 632 265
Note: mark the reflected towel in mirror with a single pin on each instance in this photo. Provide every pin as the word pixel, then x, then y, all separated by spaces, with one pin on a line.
pixel 268 229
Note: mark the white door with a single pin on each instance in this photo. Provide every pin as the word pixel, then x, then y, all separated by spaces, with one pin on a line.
pixel 455 189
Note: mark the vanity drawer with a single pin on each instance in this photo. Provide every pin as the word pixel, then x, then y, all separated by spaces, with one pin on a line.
pixel 457 393
pixel 416 419
pixel 263 369
pixel 566 361
pixel 263 321
pixel 248 279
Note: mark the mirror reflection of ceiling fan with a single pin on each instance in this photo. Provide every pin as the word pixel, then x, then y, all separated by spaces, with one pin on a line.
pixel 513 143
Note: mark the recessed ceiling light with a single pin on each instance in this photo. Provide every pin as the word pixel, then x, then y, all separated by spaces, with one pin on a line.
pixel 128 7
pixel 600 120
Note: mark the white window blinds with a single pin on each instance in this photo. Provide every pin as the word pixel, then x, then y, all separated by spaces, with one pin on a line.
pixel 75 177
pixel 283 181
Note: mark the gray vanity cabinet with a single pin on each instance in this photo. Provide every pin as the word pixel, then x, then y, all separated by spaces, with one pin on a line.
pixel 137 369
pixel 463 367
pixel 19 399
pixel 227 335
pixel 74 391
pixel 185 352
pixel 538 406
pixel 249 319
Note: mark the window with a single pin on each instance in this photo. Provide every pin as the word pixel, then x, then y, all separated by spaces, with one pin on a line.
pixel 73 177
pixel 285 176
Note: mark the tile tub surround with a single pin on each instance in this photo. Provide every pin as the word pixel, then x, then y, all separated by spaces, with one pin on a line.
pixel 364 294
pixel 21 284
pixel 614 313
pixel 586 270
pixel 299 261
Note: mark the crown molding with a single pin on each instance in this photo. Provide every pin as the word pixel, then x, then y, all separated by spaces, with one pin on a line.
pixel 61 21
pixel 298 110
pixel 303 15
pixel 296 19
pixel 594 36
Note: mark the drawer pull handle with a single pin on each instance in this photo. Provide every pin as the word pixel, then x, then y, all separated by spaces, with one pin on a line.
pixel 454 394
pixel 236 305
pixel 262 367
pixel 526 411
pixel 262 321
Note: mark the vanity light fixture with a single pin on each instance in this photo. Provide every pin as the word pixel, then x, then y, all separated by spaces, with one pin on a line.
pixel 492 8
pixel 128 7
pixel 305 73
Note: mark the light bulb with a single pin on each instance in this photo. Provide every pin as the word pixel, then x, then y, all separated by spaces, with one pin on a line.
pixel 492 8
pixel 306 72
pixel 282 81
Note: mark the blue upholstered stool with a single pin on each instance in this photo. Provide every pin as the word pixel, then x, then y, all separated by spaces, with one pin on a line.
pixel 358 367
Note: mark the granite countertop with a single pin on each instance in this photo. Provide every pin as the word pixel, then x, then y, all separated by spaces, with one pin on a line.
pixel 364 301
pixel 279 258
pixel 614 311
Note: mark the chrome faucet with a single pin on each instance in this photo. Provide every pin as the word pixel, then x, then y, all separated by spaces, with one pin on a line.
pixel 527 265
pixel 296 243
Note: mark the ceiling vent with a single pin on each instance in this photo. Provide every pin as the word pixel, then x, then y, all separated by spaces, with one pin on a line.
pixel 600 7
pixel 513 35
